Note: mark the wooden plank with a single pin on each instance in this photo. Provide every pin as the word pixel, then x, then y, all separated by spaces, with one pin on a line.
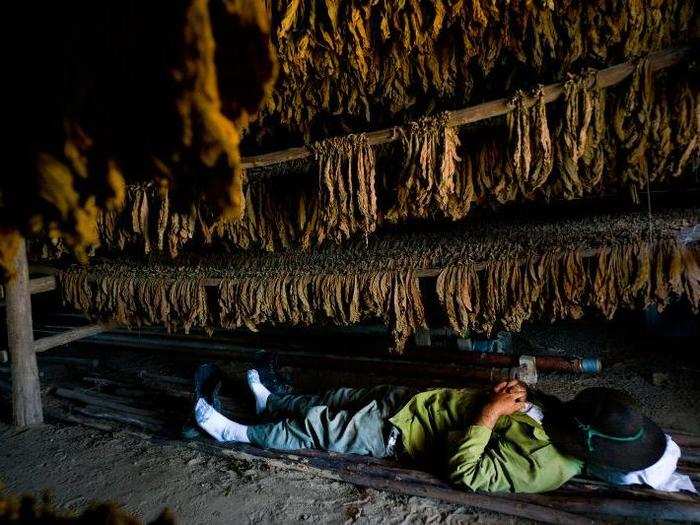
pixel 572 497
pixel 26 394
pixel 42 284
pixel 555 507
pixel 605 78
pixel 101 401
pixel 38 285
pixel 46 343
pixel 196 348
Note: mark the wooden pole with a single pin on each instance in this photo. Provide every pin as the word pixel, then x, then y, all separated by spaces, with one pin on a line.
pixel 47 343
pixel 605 78
pixel 26 394
pixel 42 284
pixel 38 285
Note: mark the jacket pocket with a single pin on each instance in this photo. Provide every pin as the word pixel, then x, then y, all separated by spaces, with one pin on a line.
pixel 543 455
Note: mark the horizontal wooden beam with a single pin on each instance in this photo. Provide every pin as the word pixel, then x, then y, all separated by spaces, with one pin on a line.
pixel 42 284
pixel 477 266
pixel 37 285
pixel 47 343
pixel 604 78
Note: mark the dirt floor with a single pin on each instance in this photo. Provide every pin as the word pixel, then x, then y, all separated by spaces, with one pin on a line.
pixel 78 465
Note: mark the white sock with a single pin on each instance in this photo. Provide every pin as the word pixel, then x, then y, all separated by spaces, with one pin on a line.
pixel 217 426
pixel 259 390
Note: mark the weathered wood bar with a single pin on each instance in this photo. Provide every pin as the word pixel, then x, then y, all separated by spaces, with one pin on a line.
pixel 47 343
pixel 605 78
pixel 26 395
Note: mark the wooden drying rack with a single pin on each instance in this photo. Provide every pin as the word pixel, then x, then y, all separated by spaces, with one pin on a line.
pixel 603 78
pixel 26 398
pixel 48 283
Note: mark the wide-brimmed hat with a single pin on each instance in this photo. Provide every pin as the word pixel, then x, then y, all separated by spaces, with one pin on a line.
pixel 612 432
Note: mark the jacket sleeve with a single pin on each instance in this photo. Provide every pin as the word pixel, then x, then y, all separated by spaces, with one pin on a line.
pixel 470 466
pixel 505 467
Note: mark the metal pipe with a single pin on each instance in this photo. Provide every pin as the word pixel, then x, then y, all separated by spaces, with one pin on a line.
pixel 586 365
pixel 399 367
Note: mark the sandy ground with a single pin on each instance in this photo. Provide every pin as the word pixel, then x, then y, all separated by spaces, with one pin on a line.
pixel 78 465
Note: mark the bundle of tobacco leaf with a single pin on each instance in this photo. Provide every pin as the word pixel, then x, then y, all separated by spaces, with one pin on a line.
pixel 520 234
pixel 117 91
pixel 594 147
pixel 580 138
pixel 269 220
pixel 341 298
pixel 497 274
pixel 278 214
pixel 372 61
pixel 476 298
pixel 345 200
pixel 137 300
pixel 559 285
pixel 632 122
pixel 530 143
pixel 147 221
pixel 427 184
pixel 667 144
pixel 304 298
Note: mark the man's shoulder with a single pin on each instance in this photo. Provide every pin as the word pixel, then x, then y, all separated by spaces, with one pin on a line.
pixel 531 438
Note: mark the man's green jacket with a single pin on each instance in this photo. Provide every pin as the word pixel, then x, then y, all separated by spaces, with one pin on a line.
pixel 516 456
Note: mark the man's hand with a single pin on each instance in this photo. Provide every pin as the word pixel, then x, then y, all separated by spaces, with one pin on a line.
pixel 507 398
pixel 512 386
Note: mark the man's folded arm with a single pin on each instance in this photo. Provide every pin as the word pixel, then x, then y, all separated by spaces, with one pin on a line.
pixel 506 469
pixel 470 466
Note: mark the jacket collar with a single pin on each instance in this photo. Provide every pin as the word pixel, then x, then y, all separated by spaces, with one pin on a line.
pixel 524 418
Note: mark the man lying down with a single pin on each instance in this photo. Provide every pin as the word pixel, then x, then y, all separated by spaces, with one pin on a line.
pixel 504 439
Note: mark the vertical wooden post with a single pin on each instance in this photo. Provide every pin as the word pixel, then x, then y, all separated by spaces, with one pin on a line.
pixel 26 394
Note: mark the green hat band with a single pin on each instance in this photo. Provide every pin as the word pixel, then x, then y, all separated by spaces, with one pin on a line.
pixel 591 432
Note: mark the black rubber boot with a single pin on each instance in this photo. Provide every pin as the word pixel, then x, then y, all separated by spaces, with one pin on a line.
pixel 268 370
pixel 207 384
